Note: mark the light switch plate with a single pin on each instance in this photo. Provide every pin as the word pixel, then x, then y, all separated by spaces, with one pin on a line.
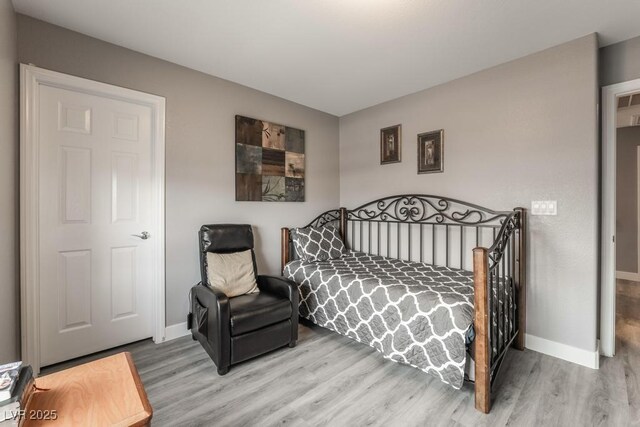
pixel 544 207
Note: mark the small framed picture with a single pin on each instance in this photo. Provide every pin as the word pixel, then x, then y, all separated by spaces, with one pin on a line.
pixel 431 151
pixel 391 144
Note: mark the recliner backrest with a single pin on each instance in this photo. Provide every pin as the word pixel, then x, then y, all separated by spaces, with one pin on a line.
pixel 224 238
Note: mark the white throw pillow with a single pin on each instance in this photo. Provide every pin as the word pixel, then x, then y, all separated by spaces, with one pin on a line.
pixel 232 273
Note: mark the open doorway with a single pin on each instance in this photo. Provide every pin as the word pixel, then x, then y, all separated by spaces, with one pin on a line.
pixel 628 220
pixel 620 297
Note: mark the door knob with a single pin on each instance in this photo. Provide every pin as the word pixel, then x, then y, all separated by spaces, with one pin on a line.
pixel 144 236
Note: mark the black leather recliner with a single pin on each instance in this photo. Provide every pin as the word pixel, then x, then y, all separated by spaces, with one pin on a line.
pixel 235 329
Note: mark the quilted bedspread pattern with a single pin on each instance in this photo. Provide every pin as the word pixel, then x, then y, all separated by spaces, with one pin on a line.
pixel 411 312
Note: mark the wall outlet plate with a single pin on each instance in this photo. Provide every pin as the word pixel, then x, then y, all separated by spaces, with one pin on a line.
pixel 544 207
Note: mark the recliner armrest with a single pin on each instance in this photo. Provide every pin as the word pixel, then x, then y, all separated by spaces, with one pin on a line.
pixel 218 320
pixel 214 292
pixel 284 288
pixel 279 286
pixel 211 297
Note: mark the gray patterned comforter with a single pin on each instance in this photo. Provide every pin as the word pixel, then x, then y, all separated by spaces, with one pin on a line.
pixel 413 313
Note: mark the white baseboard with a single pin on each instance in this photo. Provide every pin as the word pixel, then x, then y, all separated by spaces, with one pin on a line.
pixel 624 275
pixel 176 331
pixel 590 359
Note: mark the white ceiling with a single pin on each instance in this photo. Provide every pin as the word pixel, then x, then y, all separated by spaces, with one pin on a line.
pixel 340 56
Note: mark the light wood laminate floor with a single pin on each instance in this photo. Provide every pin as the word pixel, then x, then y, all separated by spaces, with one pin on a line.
pixel 331 380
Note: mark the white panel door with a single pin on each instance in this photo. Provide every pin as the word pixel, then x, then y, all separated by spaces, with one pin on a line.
pixel 95 197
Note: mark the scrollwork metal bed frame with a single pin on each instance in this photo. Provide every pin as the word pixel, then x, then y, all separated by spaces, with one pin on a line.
pixel 430 224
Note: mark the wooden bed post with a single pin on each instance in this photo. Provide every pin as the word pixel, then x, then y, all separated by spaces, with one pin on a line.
pixel 343 225
pixel 481 325
pixel 284 248
pixel 522 279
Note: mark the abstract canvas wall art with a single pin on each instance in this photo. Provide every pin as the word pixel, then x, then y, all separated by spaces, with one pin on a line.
pixel 270 161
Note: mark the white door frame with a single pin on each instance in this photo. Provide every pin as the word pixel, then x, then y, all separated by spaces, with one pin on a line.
pixel 608 254
pixel 31 78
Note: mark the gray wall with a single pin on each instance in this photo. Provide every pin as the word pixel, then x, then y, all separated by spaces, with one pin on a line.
pixel 518 132
pixel 199 146
pixel 620 62
pixel 9 287
pixel 628 141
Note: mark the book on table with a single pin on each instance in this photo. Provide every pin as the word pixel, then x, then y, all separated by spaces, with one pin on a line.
pixel 22 389
pixel 8 378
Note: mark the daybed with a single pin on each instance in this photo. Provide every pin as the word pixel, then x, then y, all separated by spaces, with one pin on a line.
pixel 428 281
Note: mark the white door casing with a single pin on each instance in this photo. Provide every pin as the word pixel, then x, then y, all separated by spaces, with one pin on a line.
pixel 92 176
pixel 610 95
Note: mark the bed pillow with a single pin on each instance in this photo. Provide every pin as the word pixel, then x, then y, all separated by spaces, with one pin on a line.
pixel 317 243
pixel 232 273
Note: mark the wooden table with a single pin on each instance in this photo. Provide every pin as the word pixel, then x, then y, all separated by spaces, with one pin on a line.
pixel 105 392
